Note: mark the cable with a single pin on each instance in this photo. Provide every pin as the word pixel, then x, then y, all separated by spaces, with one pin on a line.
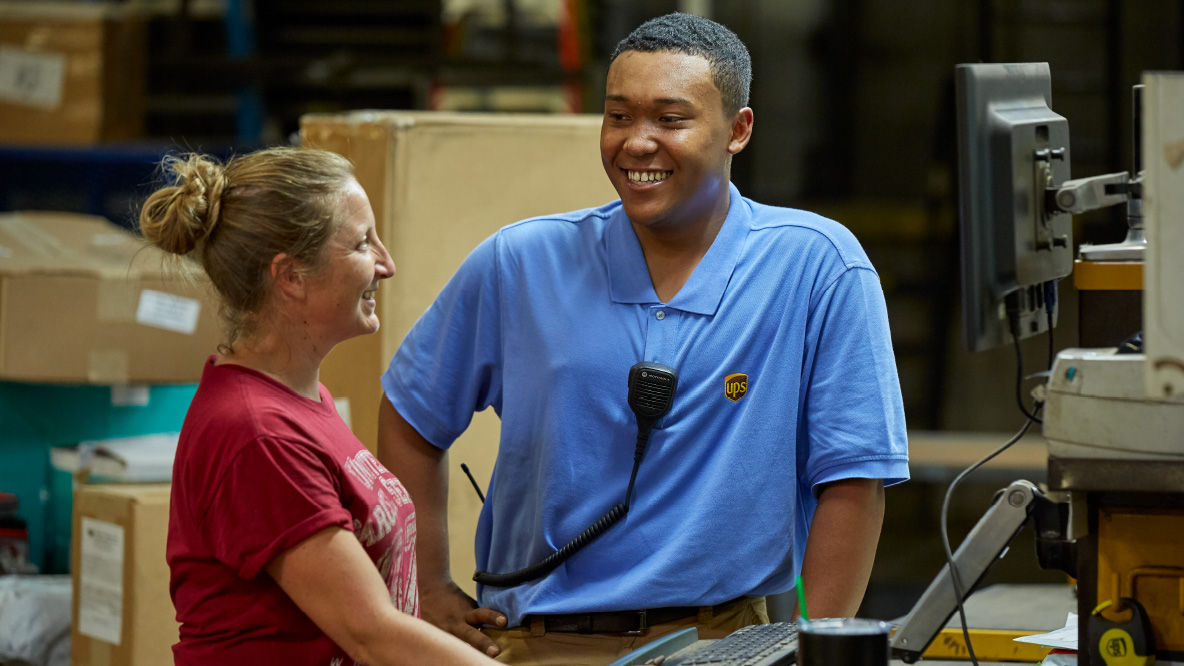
pixel 643 437
pixel 601 526
pixel 651 393
pixel 1013 323
pixel 1019 383
pixel 556 558
pixel 465 469
pixel 1050 299
pixel 1050 304
pixel 959 592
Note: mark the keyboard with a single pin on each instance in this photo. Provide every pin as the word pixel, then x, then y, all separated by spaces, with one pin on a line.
pixel 773 644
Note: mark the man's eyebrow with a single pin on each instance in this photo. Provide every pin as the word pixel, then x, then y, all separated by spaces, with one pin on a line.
pixel 666 101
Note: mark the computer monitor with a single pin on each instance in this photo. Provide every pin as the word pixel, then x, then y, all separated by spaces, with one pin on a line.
pixel 1012 149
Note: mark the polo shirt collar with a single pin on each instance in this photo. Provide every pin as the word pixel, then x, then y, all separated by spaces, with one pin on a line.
pixel 629 277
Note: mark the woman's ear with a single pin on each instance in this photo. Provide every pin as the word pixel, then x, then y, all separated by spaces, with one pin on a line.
pixel 287 280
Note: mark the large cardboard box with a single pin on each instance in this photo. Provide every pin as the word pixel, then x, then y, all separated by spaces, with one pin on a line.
pixel 83 301
pixel 122 612
pixel 71 72
pixel 440 183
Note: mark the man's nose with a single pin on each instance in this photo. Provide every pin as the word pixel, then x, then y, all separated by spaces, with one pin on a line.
pixel 640 140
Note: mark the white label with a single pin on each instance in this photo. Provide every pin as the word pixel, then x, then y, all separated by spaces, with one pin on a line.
pixel 125 395
pixel 342 405
pixel 168 311
pixel 32 79
pixel 100 582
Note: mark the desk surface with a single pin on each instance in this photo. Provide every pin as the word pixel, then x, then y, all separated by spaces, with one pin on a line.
pixel 938 456
pixel 1038 608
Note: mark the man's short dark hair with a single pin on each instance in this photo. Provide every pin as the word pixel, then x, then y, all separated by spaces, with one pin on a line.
pixel 731 66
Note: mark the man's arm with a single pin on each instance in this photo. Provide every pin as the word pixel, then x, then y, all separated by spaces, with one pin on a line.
pixel 842 546
pixel 423 470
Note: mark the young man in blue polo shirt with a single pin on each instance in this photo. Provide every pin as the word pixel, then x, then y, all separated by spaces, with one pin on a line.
pixel 787 420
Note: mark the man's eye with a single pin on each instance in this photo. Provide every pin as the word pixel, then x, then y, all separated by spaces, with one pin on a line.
pixel 672 119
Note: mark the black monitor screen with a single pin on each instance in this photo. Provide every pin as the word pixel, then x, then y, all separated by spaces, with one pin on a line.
pixel 1011 149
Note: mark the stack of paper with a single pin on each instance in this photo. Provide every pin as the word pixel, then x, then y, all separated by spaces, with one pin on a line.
pixel 142 458
pixel 1064 641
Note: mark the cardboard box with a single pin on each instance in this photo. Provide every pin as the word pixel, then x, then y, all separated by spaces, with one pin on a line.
pixel 440 183
pixel 83 301
pixel 71 73
pixel 122 613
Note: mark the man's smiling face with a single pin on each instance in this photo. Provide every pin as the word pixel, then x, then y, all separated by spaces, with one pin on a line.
pixel 665 141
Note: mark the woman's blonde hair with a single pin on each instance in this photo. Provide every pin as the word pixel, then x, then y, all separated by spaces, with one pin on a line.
pixel 239 215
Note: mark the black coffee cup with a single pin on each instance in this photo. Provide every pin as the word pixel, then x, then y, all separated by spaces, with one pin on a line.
pixel 843 642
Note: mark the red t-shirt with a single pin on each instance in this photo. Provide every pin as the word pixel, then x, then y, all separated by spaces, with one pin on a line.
pixel 259 469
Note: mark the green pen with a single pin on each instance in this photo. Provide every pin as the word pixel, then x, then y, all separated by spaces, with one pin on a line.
pixel 802 600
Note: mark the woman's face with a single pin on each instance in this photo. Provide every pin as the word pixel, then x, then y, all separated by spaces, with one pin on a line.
pixel 342 294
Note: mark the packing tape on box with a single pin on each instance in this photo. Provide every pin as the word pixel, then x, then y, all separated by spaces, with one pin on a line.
pixel 116 301
pixel 21 233
pixel 108 366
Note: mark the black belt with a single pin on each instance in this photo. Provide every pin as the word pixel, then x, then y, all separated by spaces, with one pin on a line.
pixel 619 621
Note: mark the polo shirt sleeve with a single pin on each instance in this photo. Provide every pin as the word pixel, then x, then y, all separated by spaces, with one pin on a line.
pixel 449 365
pixel 272 496
pixel 854 417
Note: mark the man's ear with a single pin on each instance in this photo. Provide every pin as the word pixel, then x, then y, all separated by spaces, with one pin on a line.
pixel 287 279
pixel 741 130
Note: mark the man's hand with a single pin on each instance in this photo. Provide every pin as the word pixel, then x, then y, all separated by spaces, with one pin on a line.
pixel 423 470
pixel 449 608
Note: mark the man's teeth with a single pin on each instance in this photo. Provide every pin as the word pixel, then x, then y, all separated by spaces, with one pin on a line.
pixel 648 176
pixel 368 294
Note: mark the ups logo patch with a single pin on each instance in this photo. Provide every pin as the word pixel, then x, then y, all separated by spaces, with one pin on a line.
pixel 736 386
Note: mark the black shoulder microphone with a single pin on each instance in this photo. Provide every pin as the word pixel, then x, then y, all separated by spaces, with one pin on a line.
pixel 651 393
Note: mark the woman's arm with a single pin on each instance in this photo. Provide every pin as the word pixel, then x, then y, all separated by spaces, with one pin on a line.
pixel 330 577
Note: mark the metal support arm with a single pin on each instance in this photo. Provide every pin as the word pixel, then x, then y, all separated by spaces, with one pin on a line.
pixel 986 543
pixel 1086 194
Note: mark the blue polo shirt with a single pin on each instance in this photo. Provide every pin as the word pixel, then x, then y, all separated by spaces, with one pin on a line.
pixel 542 323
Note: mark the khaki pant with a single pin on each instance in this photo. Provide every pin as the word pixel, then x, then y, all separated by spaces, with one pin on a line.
pixel 523 647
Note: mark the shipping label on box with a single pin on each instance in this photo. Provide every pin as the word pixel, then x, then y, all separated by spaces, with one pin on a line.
pixel 123 614
pixel 30 78
pixel 84 301
pixel 71 72
pixel 100 580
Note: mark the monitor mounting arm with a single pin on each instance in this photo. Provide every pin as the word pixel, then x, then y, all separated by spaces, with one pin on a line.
pixel 1013 507
pixel 1085 194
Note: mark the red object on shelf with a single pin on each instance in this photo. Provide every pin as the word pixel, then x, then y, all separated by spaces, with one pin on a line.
pixel 14 537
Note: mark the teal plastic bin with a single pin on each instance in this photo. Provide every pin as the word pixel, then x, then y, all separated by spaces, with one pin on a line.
pixel 37 417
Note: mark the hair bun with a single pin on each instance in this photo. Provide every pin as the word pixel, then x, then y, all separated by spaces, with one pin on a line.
pixel 202 190
pixel 180 217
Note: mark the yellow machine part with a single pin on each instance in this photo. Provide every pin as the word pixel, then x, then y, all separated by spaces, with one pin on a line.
pixel 1108 275
pixel 989 645
pixel 1141 556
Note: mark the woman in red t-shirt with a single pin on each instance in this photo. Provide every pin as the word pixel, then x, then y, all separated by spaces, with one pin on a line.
pixel 288 541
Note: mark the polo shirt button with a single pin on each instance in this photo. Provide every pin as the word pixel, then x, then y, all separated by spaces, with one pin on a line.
pixel 661 315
